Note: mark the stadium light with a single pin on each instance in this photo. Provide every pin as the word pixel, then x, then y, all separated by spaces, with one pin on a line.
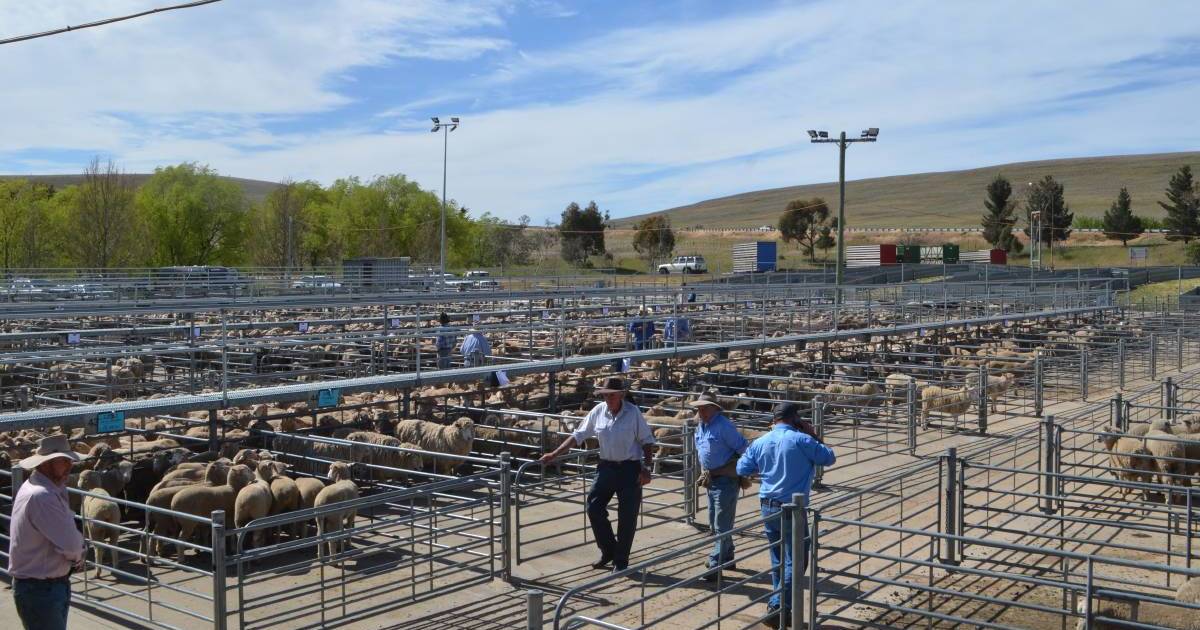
pixel 870 134
pixel 445 128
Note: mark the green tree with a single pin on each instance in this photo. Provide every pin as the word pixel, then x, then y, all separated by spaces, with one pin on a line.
pixel 802 222
pixel 282 222
pixel 1120 224
pixel 581 233
pixel 654 239
pixel 1183 209
pixel 999 219
pixel 1046 196
pixel 27 233
pixel 192 216
pixel 102 227
pixel 825 239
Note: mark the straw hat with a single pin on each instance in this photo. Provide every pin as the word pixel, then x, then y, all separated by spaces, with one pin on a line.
pixel 705 400
pixel 49 448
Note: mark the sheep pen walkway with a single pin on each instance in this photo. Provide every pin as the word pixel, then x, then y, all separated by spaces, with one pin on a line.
pixel 560 561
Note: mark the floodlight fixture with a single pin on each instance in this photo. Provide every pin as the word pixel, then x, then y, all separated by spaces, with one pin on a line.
pixel 812 134
pixel 823 134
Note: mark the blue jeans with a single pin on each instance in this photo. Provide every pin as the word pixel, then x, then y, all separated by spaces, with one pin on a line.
pixel 722 505
pixel 780 529
pixel 620 479
pixel 443 355
pixel 42 605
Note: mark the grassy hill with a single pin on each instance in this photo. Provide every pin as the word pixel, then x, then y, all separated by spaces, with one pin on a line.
pixel 256 190
pixel 948 199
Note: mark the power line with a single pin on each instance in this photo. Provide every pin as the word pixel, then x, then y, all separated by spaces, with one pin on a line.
pixel 67 29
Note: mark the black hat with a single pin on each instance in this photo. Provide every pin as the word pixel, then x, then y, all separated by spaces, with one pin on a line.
pixel 611 385
pixel 787 411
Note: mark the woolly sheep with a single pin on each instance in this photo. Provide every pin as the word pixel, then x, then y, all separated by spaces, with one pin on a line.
pixel 254 500
pixel 204 500
pixel 98 515
pixel 285 497
pixel 1168 458
pixel 387 457
pixel 947 400
pixel 1128 458
pixel 341 489
pixel 995 388
pixel 455 439
pixel 309 488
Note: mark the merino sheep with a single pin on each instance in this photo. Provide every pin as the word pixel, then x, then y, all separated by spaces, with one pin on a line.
pixel 160 525
pixel 455 439
pixel 1169 455
pixel 309 488
pixel 99 515
pixel 947 400
pixel 995 388
pixel 285 497
pixel 1128 458
pixel 341 489
pixel 204 500
pixel 254 500
pixel 387 457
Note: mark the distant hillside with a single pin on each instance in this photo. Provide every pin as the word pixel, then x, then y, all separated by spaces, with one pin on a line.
pixel 948 199
pixel 256 190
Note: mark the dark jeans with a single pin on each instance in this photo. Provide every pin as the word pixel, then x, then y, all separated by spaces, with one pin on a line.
pixel 42 605
pixel 722 505
pixel 443 355
pixel 782 554
pixel 621 479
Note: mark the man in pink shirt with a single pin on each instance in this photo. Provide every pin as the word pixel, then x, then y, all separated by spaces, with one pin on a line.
pixel 45 545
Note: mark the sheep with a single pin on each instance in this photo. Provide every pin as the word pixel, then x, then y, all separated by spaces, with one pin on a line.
pixel 995 388
pixel 387 457
pixel 163 525
pixel 285 497
pixel 99 515
pixel 947 400
pixel 1128 457
pixel 455 439
pixel 1168 458
pixel 254 500
pixel 341 489
pixel 204 500
pixel 896 386
pixel 845 394
pixel 309 488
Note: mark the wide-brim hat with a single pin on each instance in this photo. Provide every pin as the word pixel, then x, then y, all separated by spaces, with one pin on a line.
pixel 611 385
pixel 786 411
pixel 704 400
pixel 48 449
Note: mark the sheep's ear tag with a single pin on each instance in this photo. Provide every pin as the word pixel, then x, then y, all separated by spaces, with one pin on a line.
pixel 328 397
pixel 106 422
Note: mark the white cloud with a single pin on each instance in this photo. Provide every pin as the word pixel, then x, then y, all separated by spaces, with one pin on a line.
pixel 638 119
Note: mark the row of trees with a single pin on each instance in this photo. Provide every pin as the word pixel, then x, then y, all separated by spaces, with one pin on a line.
pixel 188 215
pixel 1182 221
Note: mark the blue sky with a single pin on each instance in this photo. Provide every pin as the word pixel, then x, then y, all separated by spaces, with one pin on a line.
pixel 637 105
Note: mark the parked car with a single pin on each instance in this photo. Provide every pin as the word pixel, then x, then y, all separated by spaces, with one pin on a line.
pixel 316 282
pixel 684 264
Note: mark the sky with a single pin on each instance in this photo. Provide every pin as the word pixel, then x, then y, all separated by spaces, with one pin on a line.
pixel 638 105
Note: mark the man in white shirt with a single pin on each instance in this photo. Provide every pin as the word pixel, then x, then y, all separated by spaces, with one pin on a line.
pixel 626 456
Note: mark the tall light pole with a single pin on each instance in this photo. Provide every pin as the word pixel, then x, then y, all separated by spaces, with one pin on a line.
pixel 445 128
pixel 868 135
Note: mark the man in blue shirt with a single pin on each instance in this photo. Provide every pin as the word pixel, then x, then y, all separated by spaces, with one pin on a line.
pixel 677 329
pixel 642 330
pixel 718 445
pixel 445 341
pixel 785 460
pixel 475 349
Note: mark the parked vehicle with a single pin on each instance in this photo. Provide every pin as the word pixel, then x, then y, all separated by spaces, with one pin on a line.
pixel 316 282
pixel 684 264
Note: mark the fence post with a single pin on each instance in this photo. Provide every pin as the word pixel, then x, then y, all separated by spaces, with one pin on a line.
pixel 218 559
pixel 813 580
pixel 818 422
pixel 1179 349
pixel 690 494
pixel 983 398
pixel 1083 375
pixel 1050 464
pixel 213 442
pixel 18 475
pixel 1167 398
pixel 1118 413
pixel 533 610
pixel 797 512
pixel 506 516
pixel 947 550
pixel 1038 373
pixel 1121 363
pixel 1153 356
pixel 911 401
